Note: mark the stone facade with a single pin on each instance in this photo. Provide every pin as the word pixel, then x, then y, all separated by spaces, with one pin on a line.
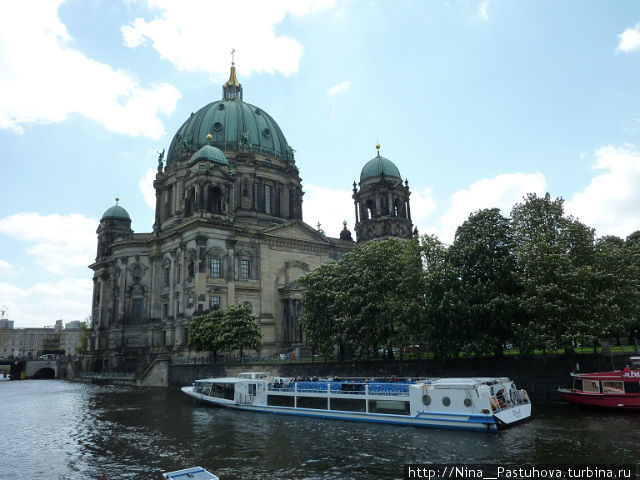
pixel 228 231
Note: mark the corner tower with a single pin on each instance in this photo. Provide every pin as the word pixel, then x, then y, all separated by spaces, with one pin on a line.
pixel 382 202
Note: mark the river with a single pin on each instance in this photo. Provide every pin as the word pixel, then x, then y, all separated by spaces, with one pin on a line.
pixel 54 429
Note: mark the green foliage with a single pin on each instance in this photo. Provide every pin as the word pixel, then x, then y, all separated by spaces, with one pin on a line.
pixel 365 302
pixel 483 296
pixel 85 331
pixel 241 329
pixel 539 280
pixel 205 332
pixel 225 330
pixel 320 321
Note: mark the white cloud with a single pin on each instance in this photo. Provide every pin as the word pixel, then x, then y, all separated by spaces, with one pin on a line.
pixel 502 192
pixel 68 298
pixel 422 206
pixel 6 268
pixel 482 14
pixel 195 35
pixel 629 39
pixel 341 87
pixel 60 243
pixel 328 207
pixel 43 80
pixel 146 187
pixel 610 202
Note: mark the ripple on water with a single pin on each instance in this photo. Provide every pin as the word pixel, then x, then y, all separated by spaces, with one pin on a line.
pixel 58 430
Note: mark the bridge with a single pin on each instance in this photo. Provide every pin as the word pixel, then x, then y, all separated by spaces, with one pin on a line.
pixel 42 369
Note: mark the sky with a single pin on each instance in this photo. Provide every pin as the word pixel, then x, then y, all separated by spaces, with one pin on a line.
pixel 477 102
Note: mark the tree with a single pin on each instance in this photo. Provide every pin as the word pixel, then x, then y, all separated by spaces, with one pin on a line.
pixel 83 342
pixel 366 301
pixel 439 316
pixel 241 329
pixel 319 320
pixel 553 255
pixel 484 294
pixel 206 333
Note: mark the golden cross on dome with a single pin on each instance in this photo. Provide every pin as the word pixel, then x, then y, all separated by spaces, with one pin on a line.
pixel 233 51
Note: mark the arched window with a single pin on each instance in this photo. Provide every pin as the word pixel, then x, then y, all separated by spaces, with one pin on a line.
pixel 369 209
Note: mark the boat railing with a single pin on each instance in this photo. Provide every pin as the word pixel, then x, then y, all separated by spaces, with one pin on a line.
pixel 348 388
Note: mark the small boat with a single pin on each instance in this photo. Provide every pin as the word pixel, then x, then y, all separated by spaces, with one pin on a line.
pixel 193 473
pixel 612 389
pixel 478 404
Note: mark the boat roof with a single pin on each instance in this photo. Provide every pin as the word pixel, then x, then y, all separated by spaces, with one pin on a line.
pixel 219 380
pixel 468 381
pixel 193 473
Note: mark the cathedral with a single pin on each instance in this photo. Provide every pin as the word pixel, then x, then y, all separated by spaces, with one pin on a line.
pixel 228 231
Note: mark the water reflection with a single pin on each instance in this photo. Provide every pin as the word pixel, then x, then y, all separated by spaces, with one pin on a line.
pixel 59 430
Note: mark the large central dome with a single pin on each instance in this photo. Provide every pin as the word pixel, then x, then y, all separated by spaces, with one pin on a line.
pixel 233 125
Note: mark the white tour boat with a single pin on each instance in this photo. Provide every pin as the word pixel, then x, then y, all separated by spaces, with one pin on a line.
pixel 480 404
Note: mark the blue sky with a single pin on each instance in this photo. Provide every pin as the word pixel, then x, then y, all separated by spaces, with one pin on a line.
pixel 477 102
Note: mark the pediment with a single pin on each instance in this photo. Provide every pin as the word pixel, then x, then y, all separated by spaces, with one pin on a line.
pixel 296 230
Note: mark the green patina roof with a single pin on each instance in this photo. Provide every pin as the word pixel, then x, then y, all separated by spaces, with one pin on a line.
pixel 377 166
pixel 116 212
pixel 234 125
pixel 209 153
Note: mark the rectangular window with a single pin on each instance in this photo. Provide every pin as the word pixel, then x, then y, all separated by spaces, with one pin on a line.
pixel 255 196
pixel 267 198
pixel 348 404
pixel 279 401
pixel 613 387
pixel 245 268
pixel 167 273
pixel 214 303
pixel 137 306
pixel 318 403
pixel 394 407
pixel 215 267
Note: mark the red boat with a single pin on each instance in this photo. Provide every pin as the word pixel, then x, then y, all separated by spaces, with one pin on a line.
pixel 614 389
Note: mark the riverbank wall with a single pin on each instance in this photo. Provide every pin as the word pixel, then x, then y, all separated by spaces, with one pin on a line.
pixel 540 375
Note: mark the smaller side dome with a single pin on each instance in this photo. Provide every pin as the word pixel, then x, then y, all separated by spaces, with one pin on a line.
pixel 116 213
pixel 378 166
pixel 209 153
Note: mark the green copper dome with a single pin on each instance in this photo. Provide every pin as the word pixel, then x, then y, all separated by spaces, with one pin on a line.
pixel 116 213
pixel 377 166
pixel 209 153
pixel 234 125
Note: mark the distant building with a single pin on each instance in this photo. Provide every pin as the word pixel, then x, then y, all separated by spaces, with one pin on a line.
pixel 4 323
pixel 30 343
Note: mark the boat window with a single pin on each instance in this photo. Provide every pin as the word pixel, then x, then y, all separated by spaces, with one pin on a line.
pixel 632 387
pixel 590 386
pixel 319 403
pixel 202 387
pixel 252 389
pixel 222 390
pixel 467 402
pixel 279 401
pixel 613 387
pixel 446 401
pixel 347 404
pixel 577 384
pixel 426 400
pixel 396 407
